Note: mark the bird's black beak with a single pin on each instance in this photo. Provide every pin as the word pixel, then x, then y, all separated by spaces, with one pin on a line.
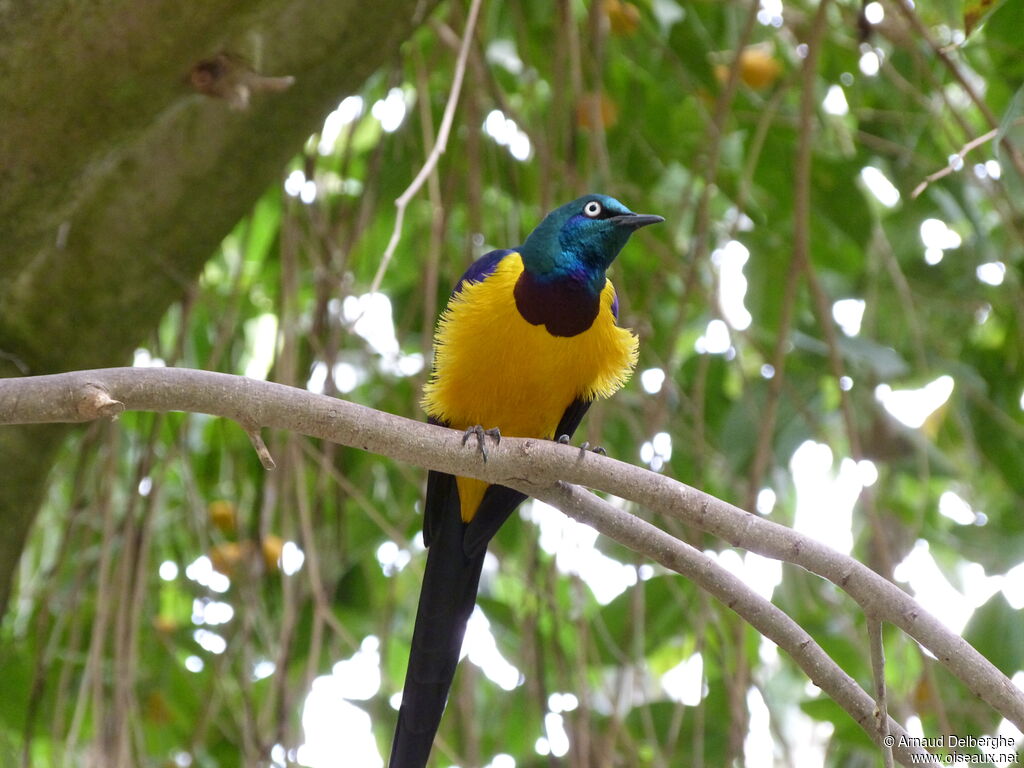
pixel 635 220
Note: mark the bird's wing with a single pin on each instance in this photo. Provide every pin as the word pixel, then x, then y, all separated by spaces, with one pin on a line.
pixel 480 269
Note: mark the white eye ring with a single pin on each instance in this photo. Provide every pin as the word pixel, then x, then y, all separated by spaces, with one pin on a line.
pixel 592 209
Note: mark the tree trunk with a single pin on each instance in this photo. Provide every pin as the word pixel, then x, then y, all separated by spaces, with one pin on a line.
pixel 118 179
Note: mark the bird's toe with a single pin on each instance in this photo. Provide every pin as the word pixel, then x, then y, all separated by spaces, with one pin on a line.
pixel 480 433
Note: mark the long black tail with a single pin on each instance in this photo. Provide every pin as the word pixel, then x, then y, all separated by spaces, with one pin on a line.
pixel 455 557
pixel 446 602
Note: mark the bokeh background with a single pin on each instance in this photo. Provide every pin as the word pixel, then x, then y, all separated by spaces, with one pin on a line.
pixel 831 336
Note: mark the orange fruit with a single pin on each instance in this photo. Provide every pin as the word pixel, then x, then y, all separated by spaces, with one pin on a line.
pixel 223 515
pixel 156 710
pixel 591 105
pixel 272 546
pixel 164 624
pixel 758 68
pixel 226 557
pixel 623 17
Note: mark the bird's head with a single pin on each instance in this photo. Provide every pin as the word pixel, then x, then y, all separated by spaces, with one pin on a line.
pixel 581 238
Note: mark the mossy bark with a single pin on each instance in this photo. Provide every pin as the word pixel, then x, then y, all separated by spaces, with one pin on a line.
pixel 117 181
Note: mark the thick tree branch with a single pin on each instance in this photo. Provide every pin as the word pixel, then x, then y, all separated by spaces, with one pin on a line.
pixel 71 397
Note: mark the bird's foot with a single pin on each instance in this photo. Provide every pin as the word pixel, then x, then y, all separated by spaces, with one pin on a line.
pixel 479 432
pixel 564 440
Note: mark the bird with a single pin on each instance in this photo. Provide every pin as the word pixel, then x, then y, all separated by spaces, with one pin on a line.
pixel 528 340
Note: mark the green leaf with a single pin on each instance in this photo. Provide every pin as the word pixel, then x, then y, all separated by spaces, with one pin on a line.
pixel 884 363
pixel 997 631
pixel 663 603
pixel 1011 118
pixel 975 12
pixel 846 730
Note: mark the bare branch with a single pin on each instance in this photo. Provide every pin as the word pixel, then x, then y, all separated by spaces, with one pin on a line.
pixel 882 725
pixel 956 161
pixel 515 461
pixel 767 618
pixel 261 449
pixel 438 149
pixel 906 9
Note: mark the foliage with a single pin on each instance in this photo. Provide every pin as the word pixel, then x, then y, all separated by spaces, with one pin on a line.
pixel 649 102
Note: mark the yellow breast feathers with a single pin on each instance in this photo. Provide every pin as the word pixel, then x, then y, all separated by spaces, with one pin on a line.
pixel 495 369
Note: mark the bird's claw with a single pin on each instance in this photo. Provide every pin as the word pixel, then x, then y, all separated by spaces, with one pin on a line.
pixel 564 440
pixel 479 432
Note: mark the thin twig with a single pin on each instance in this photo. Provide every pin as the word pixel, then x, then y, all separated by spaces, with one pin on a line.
pixel 438 149
pixel 954 164
pixel 321 602
pixel 770 409
pixel 709 162
pixel 261 448
pixel 906 8
pixel 97 642
pixel 878 673
pixel 956 161
pixel 437 217
pixel 800 259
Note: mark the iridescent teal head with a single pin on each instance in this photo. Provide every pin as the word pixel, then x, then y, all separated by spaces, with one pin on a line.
pixel 581 239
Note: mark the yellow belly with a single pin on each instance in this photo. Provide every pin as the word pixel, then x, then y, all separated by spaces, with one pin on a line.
pixel 495 369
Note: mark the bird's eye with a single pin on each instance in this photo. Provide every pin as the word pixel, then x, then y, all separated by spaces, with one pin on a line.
pixel 592 209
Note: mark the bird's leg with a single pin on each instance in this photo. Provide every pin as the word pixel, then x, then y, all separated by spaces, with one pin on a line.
pixel 479 432
pixel 564 440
